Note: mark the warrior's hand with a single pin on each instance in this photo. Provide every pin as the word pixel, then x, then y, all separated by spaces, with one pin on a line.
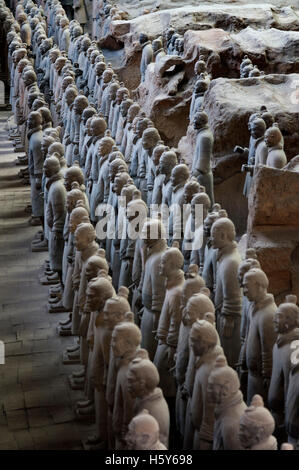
pixel 227 326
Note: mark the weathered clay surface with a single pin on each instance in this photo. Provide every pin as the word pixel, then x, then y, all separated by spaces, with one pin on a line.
pixel 273 227
pixel 135 10
pixel 273 50
pixel 206 30
pixel 206 16
pixel 273 209
pixel 164 99
pixel 229 103
pixel 203 17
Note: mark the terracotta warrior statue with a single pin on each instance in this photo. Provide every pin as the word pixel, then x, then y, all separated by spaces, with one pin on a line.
pixel 143 379
pixel 256 427
pixel 228 299
pixel 258 151
pixel 85 136
pixel 72 149
pixel 56 212
pixel 101 189
pixel 224 394
pixel 121 95
pixel 204 342
pixel 122 120
pixel 147 54
pixel 210 254
pixel 84 240
pixel 192 285
pixel 144 433
pixel 128 132
pixel 136 214
pixel 202 161
pixel 249 152
pixel 80 103
pixel 286 325
pixel 103 98
pixel 249 262
pixel 127 243
pixel 125 342
pixel 158 49
pixel 121 180
pixel 109 101
pixel 98 127
pixel 78 215
pixel 169 323
pixel 292 401
pixel 153 283
pixel 57 305
pixel 141 124
pixel 150 138
pixel 99 71
pixel 69 295
pixel 199 307
pixel 179 177
pixel 153 171
pixel 200 88
pixel 274 141
pixel 261 334
pixel 95 267
pixel 116 165
pixel 162 184
pixel 69 96
pixel 98 292
pixel 35 162
pixel 194 235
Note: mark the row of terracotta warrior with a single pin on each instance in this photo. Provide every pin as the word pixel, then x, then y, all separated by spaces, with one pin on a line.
pixel 169 321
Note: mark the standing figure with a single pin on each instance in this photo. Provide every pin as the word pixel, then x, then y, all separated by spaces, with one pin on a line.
pixel 144 433
pixel 35 162
pixel 204 342
pixel 228 297
pixel 249 262
pixel 99 290
pixel 192 285
pixel 261 334
pixel 56 212
pixel 274 141
pixel 147 54
pixel 202 161
pixel 224 394
pixel 179 177
pixel 292 402
pixel 150 138
pixel 199 307
pixel 125 343
pixel 143 380
pixel 256 427
pixel 128 132
pixel 162 184
pixel 169 323
pixel 286 324
pixel 153 284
